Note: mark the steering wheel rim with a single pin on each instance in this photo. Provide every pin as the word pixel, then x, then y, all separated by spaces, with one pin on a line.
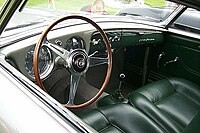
pixel 109 53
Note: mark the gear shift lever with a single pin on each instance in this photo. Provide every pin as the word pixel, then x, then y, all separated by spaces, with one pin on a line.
pixel 116 97
pixel 117 94
pixel 121 79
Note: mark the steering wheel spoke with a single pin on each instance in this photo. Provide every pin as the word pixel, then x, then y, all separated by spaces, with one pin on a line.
pixel 73 88
pixel 58 50
pixel 96 61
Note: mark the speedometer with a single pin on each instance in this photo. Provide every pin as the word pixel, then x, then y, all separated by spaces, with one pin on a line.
pixel 75 42
pixel 44 62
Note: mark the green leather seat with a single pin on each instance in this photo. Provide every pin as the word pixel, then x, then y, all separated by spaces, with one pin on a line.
pixel 172 103
pixel 120 118
pixel 193 126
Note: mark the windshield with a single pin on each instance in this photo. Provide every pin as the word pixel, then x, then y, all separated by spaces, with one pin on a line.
pixel 37 11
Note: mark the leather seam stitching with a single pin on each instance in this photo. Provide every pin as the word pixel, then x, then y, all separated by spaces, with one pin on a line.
pixel 171 93
pixel 162 99
pixel 159 100
pixel 111 124
pixel 164 113
pixel 189 98
pixel 105 127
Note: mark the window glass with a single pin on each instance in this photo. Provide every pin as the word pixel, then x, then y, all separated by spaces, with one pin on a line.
pixel 188 21
pixel 39 11
pixel 149 10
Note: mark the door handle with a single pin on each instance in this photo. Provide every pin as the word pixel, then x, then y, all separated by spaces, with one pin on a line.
pixel 159 59
pixel 172 61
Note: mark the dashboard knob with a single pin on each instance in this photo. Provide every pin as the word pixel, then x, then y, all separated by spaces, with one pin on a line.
pixel 58 42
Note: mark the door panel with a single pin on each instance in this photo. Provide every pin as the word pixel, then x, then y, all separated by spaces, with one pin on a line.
pixel 187 66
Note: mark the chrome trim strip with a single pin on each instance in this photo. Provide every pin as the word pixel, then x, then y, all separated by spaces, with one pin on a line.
pixel 184 33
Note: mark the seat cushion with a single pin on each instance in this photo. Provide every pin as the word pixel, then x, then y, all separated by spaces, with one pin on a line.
pixel 193 126
pixel 120 118
pixel 171 103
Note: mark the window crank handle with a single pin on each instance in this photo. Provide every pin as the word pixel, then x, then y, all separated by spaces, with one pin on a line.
pixel 172 61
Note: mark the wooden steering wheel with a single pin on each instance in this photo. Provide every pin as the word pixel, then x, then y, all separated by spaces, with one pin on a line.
pixel 77 61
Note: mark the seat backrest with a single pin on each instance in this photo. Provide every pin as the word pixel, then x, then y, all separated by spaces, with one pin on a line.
pixel 171 103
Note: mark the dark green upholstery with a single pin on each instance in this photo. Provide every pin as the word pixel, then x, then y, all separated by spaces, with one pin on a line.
pixel 193 126
pixel 120 118
pixel 172 103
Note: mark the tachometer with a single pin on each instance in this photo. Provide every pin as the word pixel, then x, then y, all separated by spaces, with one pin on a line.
pixel 75 42
pixel 44 62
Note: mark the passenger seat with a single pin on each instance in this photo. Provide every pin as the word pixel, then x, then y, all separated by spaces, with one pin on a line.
pixel 172 103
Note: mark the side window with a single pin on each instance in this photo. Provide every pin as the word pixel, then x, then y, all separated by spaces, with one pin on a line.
pixel 188 21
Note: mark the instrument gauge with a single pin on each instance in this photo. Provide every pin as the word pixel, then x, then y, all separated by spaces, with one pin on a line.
pixel 44 62
pixel 75 42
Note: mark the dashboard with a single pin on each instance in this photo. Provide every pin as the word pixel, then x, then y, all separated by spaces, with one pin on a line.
pixel 20 55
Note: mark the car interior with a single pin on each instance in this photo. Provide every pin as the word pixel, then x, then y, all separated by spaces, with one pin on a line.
pixel 138 79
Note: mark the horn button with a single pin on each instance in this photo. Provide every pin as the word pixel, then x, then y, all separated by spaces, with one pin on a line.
pixel 79 61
